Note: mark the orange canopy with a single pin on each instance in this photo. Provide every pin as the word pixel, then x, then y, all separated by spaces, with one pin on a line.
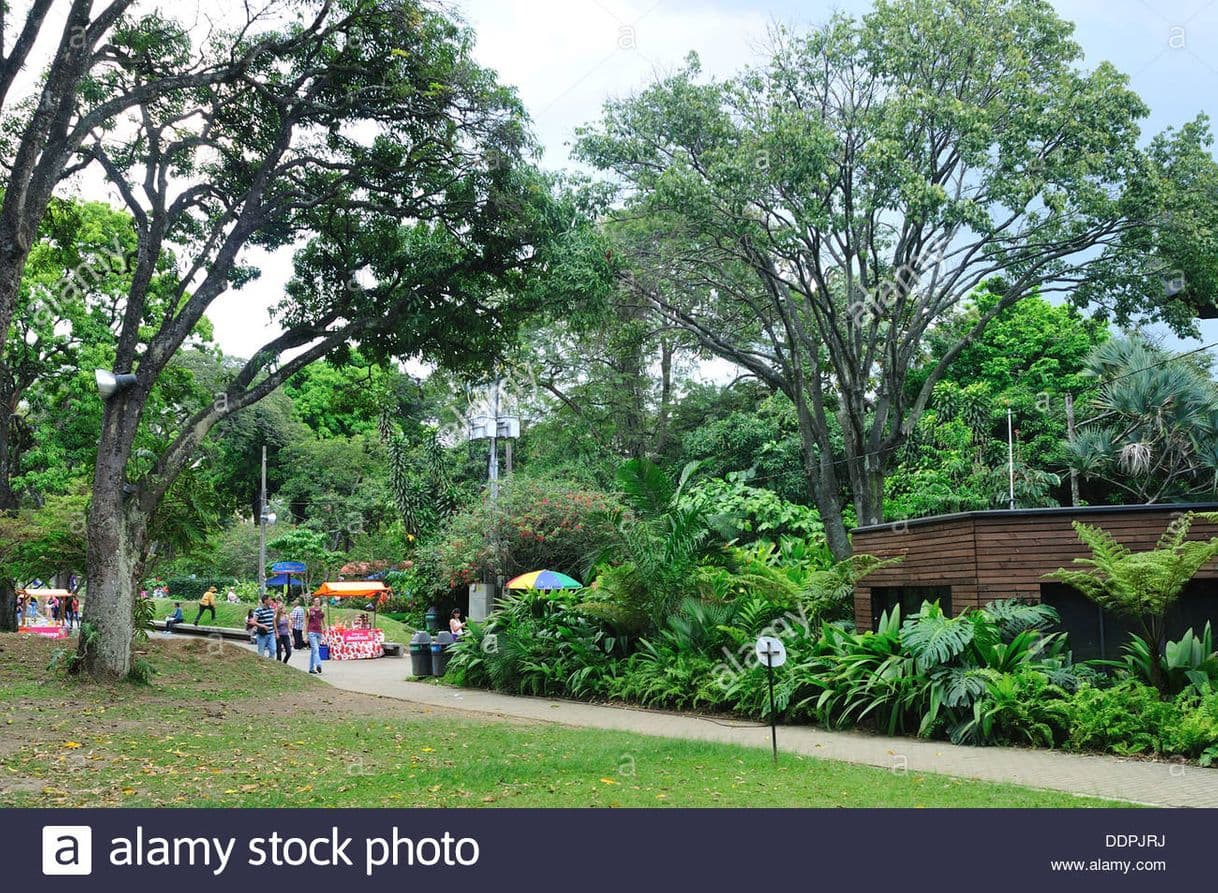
pixel 47 593
pixel 354 589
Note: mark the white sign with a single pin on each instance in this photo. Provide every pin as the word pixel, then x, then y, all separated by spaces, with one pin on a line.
pixel 770 651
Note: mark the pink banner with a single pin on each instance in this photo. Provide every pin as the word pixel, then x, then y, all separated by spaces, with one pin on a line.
pixel 49 632
pixel 355 644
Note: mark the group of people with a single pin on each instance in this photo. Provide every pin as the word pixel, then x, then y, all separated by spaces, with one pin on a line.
pixel 62 611
pixel 275 629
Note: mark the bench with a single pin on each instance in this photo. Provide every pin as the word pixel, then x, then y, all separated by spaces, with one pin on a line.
pixel 190 629
pixel 393 649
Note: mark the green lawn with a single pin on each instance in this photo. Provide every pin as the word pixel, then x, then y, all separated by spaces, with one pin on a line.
pixel 217 727
pixel 233 616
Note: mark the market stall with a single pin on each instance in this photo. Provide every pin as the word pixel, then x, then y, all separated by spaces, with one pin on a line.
pixel 359 639
pixel 41 623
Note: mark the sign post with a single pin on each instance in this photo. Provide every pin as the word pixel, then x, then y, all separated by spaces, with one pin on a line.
pixel 772 653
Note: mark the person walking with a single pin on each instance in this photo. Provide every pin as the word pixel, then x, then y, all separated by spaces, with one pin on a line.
pixel 207 602
pixel 53 609
pixel 283 633
pixel 298 625
pixel 316 626
pixel 264 625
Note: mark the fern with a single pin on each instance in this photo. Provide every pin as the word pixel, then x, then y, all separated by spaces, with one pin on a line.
pixel 1142 585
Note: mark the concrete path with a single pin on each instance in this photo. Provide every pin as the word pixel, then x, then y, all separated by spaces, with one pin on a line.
pixel 1139 781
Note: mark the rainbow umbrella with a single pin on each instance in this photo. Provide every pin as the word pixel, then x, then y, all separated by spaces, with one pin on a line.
pixel 543 580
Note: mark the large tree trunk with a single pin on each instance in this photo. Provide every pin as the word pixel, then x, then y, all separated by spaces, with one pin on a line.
pixel 821 476
pixel 8 606
pixel 117 530
pixel 869 492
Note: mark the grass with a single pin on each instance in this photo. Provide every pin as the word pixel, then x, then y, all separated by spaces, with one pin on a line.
pixel 233 617
pixel 220 728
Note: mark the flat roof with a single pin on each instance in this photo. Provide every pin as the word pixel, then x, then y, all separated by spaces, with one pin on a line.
pixel 1032 513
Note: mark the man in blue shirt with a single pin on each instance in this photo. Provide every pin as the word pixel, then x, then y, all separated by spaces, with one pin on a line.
pixel 264 626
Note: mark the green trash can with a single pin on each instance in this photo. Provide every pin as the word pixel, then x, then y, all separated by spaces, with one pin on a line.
pixel 440 652
pixel 420 654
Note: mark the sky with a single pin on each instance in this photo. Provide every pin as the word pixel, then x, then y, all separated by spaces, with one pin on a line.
pixel 567 57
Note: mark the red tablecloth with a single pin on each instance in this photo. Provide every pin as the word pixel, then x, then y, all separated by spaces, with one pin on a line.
pixel 355 644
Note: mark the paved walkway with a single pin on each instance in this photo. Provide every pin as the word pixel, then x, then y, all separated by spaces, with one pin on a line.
pixel 1158 784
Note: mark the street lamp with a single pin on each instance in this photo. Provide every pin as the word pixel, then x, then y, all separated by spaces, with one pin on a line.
pixel 111 383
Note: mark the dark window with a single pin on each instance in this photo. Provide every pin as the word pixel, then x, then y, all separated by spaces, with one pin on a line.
pixel 909 599
pixel 1096 633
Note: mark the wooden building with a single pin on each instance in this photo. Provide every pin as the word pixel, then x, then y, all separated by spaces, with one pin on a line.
pixel 969 559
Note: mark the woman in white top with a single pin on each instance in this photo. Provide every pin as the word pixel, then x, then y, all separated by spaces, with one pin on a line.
pixel 455 624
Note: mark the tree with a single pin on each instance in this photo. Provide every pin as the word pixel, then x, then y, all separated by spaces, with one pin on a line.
pixel 813 218
pixel 338 486
pixel 308 546
pixel 370 133
pixel 73 280
pixel 1154 435
pixel 104 65
pixel 1141 585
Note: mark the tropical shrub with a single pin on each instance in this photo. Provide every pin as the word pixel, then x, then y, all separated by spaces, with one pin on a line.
pixel 654 558
pixel 1191 663
pixel 927 674
pixel 535 524
pixel 756 511
pixel 1131 718
pixel 1017 708
pixel 536 644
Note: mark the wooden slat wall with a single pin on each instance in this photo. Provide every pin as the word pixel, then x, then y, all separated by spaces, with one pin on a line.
pixel 934 555
pixel 987 557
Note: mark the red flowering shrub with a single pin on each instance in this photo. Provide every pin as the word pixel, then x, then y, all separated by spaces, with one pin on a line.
pixel 555 525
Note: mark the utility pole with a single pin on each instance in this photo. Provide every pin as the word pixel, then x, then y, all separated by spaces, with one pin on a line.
pixel 492 471
pixel 262 530
pixel 1010 461
pixel 1074 500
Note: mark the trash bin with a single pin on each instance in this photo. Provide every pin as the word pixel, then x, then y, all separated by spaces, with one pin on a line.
pixel 440 652
pixel 420 654
pixel 431 619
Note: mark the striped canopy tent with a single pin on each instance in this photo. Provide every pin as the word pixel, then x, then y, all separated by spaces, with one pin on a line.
pixel 543 580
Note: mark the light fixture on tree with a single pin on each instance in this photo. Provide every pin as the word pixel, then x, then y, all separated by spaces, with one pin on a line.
pixel 111 383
